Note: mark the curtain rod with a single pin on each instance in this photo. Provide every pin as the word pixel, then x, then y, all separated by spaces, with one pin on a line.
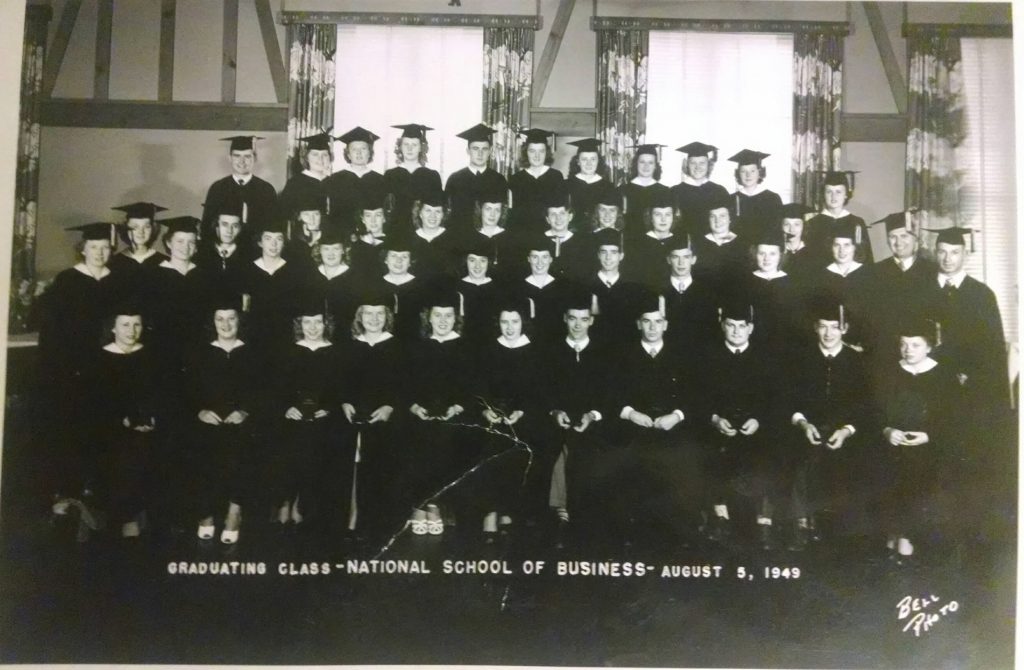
pixel 957 29
pixel 414 19
pixel 719 25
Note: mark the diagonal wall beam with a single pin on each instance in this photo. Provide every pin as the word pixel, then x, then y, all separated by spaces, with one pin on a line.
pixel 554 41
pixel 104 29
pixel 889 63
pixel 165 79
pixel 55 55
pixel 229 64
pixel 273 49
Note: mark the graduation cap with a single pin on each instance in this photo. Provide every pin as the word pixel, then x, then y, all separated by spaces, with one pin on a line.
pixel 916 324
pixel 127 305
pixel 141 210
pixel 318 142
pixel 181 224
pixel 273 225
pixel 309 201
pixel 433 197
pixel 311 304
pixel 375 294
pixel 953 235
pixel 607 237
pixel 677 242
pixel 579 298
pixel 846 228
pixel 499 195
pixel 225 300
pixel 648 302
pixel 652 149
pixel 840 178
pixel 371 200
pixel 414 130
pixel 478 133
pixel 358 134
pixel 442 296
pixel 231 205
pixel 397 242
pixel 536 135
pixel 589 144
pixel 794 210
pixel 718 201
pixel 898 220
pixel 826 307
pixel 696 149
pixel 736 309
pixel 661 198
pixel 610 197
pixel 241 142
pixel 539 242
pixel 331 235
pixel 96 231
pixel 557 198
pixel 770 237
pixel 749 157
pixel 477 247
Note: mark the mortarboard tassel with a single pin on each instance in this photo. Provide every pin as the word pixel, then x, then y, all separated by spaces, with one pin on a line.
pixel 533 309
pixel 938 334
pixel 245 212
pixel 661 304
pixel 595 308
pixel 857 237
pixel 719 315
pixel 462 304
pixel 842 317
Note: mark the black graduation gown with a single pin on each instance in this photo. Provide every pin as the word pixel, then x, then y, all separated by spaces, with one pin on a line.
pixel 340 294
pixel 464 188
pixel 853 291
pixel 584 198
pixel 366 259
pixel 894 293
pixel 259 197
pixel 574 258
pixel 135 278
pixel 224 273
pixel 548 306
pixel 437 258
pixel 777 313
pixel 273 301
pixel 692 317
pixel 530 197
pixel 802 265
pixel 636 201
pixel 724 265
pixel 481 315
pixel 692 202
pixel 178 303
pixel 755 215
pixel 508 261
pixel 818 236
pixel 647 256
pixel 346 190
pixel 616 308
pixel 408 300
pixel 296 189
pixel 405 188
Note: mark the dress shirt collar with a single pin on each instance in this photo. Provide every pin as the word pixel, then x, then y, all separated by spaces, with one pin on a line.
pixel 242 180
pixel 737 350
pixel 577 345
pixel 830 353
pixel 607 278
pixel 653 348
pixel 681 283
pixel 957 278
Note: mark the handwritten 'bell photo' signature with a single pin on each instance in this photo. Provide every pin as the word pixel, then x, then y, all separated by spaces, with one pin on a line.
pixel 921 614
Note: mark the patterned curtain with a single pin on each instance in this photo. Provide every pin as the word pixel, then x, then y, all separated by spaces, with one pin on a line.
pixel 508 82
pixel 935 107
pixel 26 194
pixel 310 84
pixel 817 103
pixel 621 96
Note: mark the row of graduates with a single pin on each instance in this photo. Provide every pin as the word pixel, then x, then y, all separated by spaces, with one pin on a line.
pixel 753 208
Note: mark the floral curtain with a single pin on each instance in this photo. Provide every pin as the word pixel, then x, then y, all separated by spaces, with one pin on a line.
pixel 935 107
pixel 817 104
pixel 26 194
pixel 310 84
pixel 508 80
pixel 621 96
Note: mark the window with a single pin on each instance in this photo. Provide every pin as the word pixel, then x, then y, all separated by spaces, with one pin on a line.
pixel 988 191
pixel 387 75
pixel 732 90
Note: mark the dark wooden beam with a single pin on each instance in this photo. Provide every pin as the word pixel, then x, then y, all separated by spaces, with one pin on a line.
pixel 229 65
pixel 554 41
pixel 273 49
pixel 897 84
pixel 165 81
pixel 104 27
pixel 565 122
pixel 415 19
pixel 719 25
pixel 957 29
pixel 873 128
pixel 55 54
pixel 77 113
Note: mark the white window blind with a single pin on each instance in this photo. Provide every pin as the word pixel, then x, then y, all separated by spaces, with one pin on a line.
pixel 988 199
pixel 388 75
pixel 732 90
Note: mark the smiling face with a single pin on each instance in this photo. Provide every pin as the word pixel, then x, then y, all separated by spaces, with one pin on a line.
pixel 96 253
pixel 835 196
pixel 358 153
pixel 271 244
pixel 332 254
pixel 737 332
pixel 182 246
pixel 681 262
pixel 609 256
pixel 830 335
pixel 476 266
pixel 914 349
pixel 558 219
pixel 540 261
pixel 588 161
pixel 767 257
pixel 843 250
pixel 607 216
pixel 442 320
pixel 373 221
pixel 719 221
pixel 373 318
pixel 312 327
pixel 645 165
pixel 793 229
pixel 902 243
pixel 140 232
pixel 431 216
pixel 536 153
pixel 398 262
pixel 697 167
pixel 951 257
pixel 511 325
pixel 578 322
pixel 319 161
pixel 225 322
pixel 310 219
pixel 242 162
pixel 749 176
pixel 127 330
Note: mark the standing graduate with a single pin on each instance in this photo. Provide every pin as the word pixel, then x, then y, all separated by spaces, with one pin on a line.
pixel 545 292
pixel 479 293
pixel 724 255
pixel 366 253
pixel 316 157
pixel 755 208
pixel 258 197
pixel 410 180
pixel 847 280
pixel 648 251
pixel 221 256
pixel 573 254
pixel 334 280
pixel 690 304
pixel 696 190
pixel 346 186
pixel 798 259
pixel 643 184
pixel 140 231
pixel 536 182
pixel 465 187
pixel 774 296
pixel 407 290
pixel 434 245
pixel 490 224
pixel 616 295
pixel 838 190
pixel 588 179
pixel 305 228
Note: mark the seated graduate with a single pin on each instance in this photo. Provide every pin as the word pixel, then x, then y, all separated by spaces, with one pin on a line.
pixel 140 232
pixel 435 247
pixel 546 293
pixel 410 180
pixel 490 232
pixel 828 396
pixel 465 187
pixel 572 252
pixel 798 260
pixel 919 440
pixel 257 197
pixel 737 402
pixel 222 256
pixel 656 472
pixel 643 184
pixel 316 160
pixel 695 191
pixel 588 178
pixel 306 403
pixel 755 208
pixel 479 292
pixel 372 370
pixel 724 255
pixel 221 397
pixel 440 394
pixel 127 381
pixel 346 186
pixel 690 301
pixel 838 190
pixel 334 280
pixel 366 252
pixel 270 285
pixel 536 182
pixel 616 296
pixel 575 403
pixel 649 250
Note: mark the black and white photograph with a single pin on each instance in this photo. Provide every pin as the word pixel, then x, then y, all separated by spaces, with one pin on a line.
pixel 608 333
